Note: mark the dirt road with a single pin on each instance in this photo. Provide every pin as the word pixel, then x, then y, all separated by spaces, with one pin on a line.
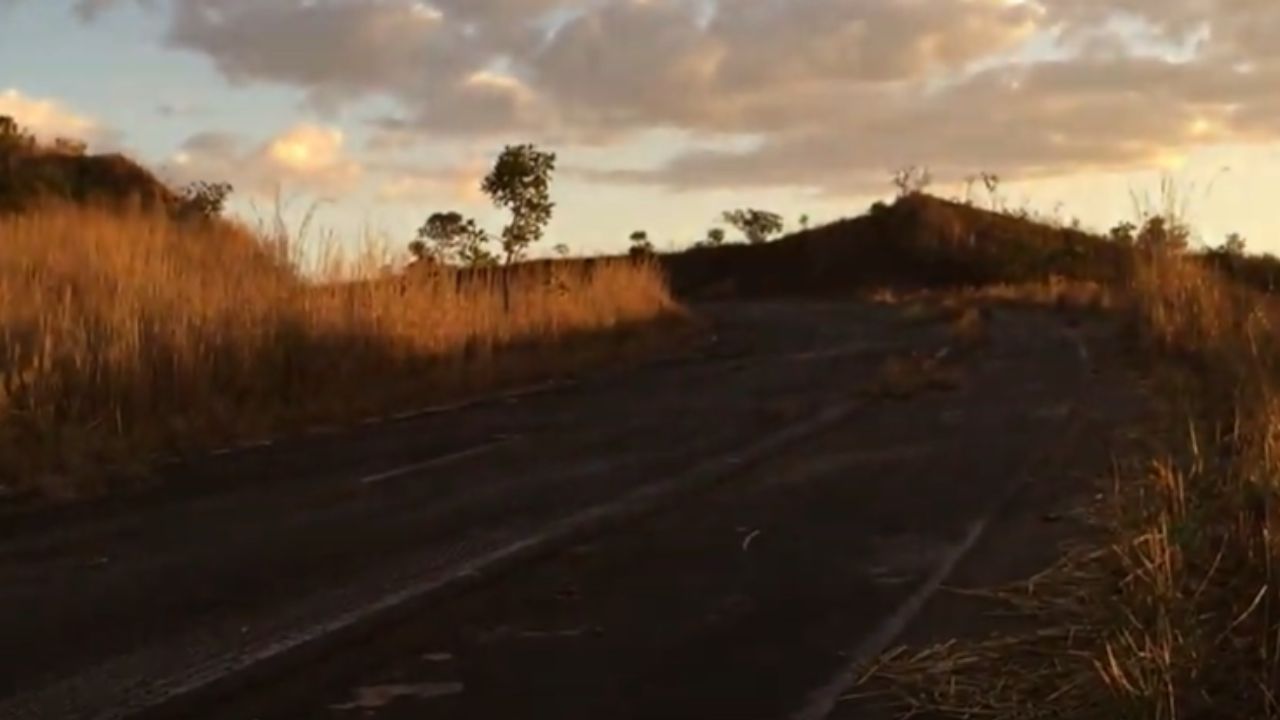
pixel 722 536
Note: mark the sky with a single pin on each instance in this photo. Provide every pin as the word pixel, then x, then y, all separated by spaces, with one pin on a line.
pixel 664 113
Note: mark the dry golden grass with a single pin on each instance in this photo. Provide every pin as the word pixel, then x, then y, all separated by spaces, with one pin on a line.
pixel 965 310
pixel 1057 293
pixel 127 334
pixel 1177 615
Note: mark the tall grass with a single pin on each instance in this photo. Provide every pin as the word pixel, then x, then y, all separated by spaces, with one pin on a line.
pixel 1202 530
pixel 123 334
pixel 1176 613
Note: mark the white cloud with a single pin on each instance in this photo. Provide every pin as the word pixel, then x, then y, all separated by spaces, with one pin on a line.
pixel 837 91
pixel 453 185
pixel 306 157
pixel 452 181
pixel 307 150
pixel 49 119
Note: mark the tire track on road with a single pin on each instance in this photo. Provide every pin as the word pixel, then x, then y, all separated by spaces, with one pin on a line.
pixel 114 690
pixel 822 701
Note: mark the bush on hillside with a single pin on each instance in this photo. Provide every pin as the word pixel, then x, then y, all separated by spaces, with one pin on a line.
pixel 32 174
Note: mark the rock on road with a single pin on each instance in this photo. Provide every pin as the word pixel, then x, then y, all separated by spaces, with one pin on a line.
pixel 720 536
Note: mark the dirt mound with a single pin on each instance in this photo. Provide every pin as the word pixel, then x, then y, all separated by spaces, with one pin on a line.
pixel 919 241
pixel 29 177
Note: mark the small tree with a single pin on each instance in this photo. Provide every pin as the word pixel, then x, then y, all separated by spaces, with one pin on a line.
pixel 1163 234
pixel 991 182
pixel 1234 244
pixel 439 237
pixel 561 250
pixel 804 222
pixel 420 252
pixel 13 137
pixel 521 182
pixel 70 146
pixel 912 180
pixel 1124 233
pixel 757 225
pixel 714 238
pixel 969 182
pixel 450 238
pixel 9 127
pixel 640 245
pixel 205 200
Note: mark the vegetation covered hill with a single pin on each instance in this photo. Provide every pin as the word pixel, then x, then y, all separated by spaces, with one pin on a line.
pixel 63 172
pixel 922 241
pixel 113 180
pixel 135 320
pixel 919 240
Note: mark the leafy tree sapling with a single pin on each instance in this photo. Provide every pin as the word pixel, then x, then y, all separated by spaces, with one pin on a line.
pixel 204 200
pixel 757 225
pixel 521 182
pixel 640 245
pixel 448 237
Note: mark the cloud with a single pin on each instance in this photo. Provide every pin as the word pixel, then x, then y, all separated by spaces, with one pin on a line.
pixel 576 70
pixel 337 51
pixel 836 92
pixel 646 63
pixel 1170 78
pixel 307 157
pixel 90 9
pixel 178 109
pixel 453 181
pixel 49 119
pixel 1042 120
pixel 460 184
pixel 308 150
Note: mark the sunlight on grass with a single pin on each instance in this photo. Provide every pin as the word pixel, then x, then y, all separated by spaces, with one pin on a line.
pixel 1177 613
pixel 122 334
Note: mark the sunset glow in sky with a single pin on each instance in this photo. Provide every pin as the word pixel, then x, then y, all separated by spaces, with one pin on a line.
pixel 665 112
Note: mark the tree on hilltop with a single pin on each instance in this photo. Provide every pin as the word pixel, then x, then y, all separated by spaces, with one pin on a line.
pixel 756 225
pixel 521 182
pixel 448 237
